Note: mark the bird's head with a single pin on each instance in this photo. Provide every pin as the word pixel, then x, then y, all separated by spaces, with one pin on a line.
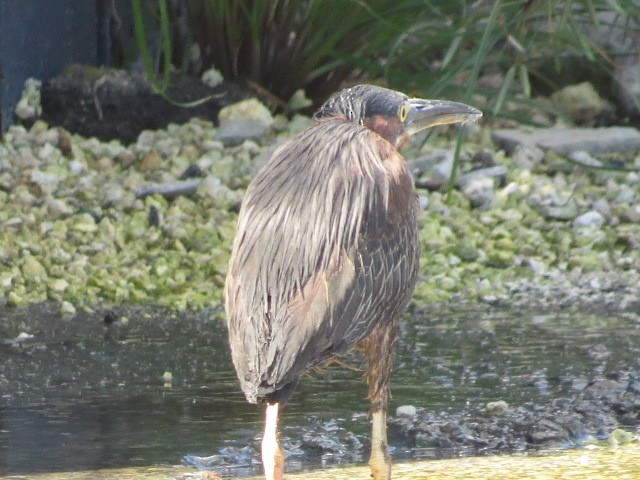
pixel 391 114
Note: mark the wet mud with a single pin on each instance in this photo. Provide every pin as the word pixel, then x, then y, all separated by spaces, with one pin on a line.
pixel 142 386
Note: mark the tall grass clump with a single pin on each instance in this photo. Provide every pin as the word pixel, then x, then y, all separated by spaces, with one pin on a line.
pixel 434 48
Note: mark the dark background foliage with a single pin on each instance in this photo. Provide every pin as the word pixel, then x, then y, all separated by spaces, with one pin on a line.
pixel 431 48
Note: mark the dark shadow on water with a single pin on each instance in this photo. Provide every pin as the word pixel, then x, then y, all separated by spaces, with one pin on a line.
pixel 80 393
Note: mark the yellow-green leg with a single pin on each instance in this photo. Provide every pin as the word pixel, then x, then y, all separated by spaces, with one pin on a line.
pixel 379 354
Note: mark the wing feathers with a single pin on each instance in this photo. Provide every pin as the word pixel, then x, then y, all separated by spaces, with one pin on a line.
pixel 307 272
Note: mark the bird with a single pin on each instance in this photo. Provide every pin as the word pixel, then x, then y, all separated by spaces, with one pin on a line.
pixel 325 254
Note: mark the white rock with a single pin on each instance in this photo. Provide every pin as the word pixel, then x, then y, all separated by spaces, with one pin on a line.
pixel 527 155
pixel 632 178
pixel 406 411
pixel 537 266
pixel 590 218
pixel 212 78
pixel 44 179
pixel 479 192
pixel 57 208
pixel 299 100
pixel 24 111
pixel 29 105
pixel 47 152
pixel 247 109
pixel 67 308
pixel 168 146
pixel 497 408
pixel 77 166
pixel 212 145
pixel 626 194
pixel 145 141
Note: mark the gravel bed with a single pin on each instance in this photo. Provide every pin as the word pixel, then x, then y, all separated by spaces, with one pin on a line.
pixel 85 222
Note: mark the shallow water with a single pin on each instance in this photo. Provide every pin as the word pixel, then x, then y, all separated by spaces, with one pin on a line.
pixel 82 395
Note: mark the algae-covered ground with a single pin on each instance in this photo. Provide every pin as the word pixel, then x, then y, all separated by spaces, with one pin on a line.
pixel 81 226
pixel 598 463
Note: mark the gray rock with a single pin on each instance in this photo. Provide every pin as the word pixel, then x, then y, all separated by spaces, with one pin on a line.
pixel 602 206
pixel 479 192
pixel 590 218
pixel 527 156
pixel 212 145
pixel 251 147
pixel 23 160
pixel 250 108
pixel 432 170
pixel 299 123
pixel 58 208
pixel 29 106
pixel 632 178
pixel 299 100
pixel 234 132
pixel 77 166
pixel 630 214
pixel 45 180
pixel 441 171
pixel 51 136
pixel 406 411
pixel 168 190
pixel 168 146
pixel 145 141
pixel 626 194
pixel 627 87
pixel 538 267
pixel 496 408
pixel 208 159
pixel 567 140
pixel 584 158
pixel 222 195
pixel 568 211
pixel 582 103
pixel 425 163
pixel 212 78
pixel 483 158
pixel 496 174
pixel 116 196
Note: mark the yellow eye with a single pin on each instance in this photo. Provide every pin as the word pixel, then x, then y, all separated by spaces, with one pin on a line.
pixel 402 113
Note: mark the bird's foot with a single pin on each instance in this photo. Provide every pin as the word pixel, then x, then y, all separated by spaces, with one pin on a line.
pixel 273 462
pixel 380 462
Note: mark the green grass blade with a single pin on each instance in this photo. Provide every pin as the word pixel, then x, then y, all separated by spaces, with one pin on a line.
pixel 166 43
pixel 504 89
pixel 523 73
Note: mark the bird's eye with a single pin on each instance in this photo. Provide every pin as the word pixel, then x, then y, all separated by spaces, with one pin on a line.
pixel 402 113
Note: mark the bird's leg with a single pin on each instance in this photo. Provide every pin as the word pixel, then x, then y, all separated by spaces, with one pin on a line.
pixel 378 351
pixel 272 454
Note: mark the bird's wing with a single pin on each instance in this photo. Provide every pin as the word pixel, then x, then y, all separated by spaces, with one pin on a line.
pixel 317 255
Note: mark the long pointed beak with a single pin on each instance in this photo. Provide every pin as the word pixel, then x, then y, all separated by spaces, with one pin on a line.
pixel 429 113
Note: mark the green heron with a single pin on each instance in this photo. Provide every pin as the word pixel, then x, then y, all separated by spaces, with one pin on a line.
pixel 326 253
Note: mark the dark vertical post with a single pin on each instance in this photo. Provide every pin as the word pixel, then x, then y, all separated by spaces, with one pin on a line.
pixel 38 38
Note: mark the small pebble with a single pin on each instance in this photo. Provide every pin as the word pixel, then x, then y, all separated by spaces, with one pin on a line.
pixel 150 162
pixel 497 408
pixel 67 308
pixel 590 218
pixel 406 411
pixel 212 78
